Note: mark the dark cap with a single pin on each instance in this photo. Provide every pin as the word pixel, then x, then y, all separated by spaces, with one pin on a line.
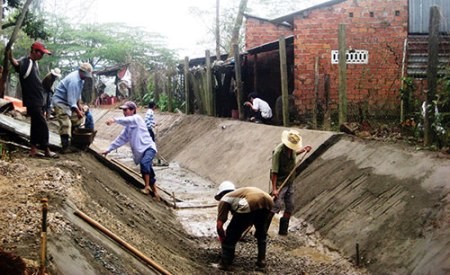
pixel 40 47
pixel 129 105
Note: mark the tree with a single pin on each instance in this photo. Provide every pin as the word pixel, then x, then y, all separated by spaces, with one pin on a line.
pixel 11 41
pixel 217 29
pixel 237 26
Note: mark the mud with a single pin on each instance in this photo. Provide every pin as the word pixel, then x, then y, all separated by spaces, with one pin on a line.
pixel 182 240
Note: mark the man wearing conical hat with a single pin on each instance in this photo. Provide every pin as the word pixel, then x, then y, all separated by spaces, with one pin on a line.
pixel 283 162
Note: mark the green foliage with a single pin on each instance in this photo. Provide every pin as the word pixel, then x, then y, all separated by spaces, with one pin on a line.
pixel 406 93
pixel 107 44
pixel 33 25
pixel 163 102
pixel 444 93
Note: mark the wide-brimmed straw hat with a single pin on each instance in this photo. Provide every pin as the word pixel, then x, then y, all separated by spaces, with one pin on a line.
pixel 292 139
pixel 56 72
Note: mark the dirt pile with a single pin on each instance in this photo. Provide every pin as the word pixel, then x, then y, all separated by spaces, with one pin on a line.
pixel 391 201
pixel 79 182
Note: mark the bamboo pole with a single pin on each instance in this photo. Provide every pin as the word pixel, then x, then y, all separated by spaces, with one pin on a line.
pixel 132 249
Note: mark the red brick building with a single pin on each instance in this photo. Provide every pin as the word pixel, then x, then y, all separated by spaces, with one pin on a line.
pixel 375 37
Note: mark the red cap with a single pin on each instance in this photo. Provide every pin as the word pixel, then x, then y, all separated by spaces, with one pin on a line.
pixel 40 47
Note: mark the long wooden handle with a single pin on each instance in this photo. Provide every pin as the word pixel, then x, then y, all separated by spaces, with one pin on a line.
pixel 292 172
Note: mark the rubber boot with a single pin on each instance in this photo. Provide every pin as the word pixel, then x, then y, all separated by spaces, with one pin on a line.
pixel 227 257
pixel 284 225
pixel 65 144
pixel 261 262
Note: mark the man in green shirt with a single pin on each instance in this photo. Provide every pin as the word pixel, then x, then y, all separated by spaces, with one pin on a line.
pixel 283 163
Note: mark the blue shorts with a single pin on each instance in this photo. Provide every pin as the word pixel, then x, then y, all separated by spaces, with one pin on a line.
pixel 147 164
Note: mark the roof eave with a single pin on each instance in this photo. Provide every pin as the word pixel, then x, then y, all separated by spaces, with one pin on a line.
pixel 289 18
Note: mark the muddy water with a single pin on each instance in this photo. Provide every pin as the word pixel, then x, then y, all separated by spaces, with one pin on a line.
pixel 196 208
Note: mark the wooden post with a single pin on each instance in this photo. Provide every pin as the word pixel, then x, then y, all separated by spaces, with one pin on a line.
pixel 327 113
pixel 284 81
pixel 402 101
pixel 237 71
pixel 209 86
pixel 316 92
pixel 433 61
pixel 255 72
pixel 186 85
pixel 342 75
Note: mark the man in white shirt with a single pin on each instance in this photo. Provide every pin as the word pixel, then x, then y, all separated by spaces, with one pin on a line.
pixel 261 109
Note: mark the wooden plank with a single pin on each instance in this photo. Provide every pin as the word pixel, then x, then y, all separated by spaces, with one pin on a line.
pixel 22 129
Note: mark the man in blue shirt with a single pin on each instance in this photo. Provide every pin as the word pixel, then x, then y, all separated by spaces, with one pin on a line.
pixel 142 145
pixel 66 102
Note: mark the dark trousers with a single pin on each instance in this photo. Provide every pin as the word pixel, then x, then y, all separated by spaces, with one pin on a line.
pixel 240 222
pixel 152 134
pixel 39 134
pixel 249 112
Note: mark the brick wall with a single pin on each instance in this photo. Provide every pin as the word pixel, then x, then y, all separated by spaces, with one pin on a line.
pixel 258 32
pixel 378 26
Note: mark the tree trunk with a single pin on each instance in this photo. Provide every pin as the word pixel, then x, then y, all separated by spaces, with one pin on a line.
pixel 217 30
pixel 11 41
pixel 237 26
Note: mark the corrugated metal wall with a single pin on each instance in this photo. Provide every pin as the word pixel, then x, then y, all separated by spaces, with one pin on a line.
pixel 419 15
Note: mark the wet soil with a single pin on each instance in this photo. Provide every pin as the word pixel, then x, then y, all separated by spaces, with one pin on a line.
pixel 180 241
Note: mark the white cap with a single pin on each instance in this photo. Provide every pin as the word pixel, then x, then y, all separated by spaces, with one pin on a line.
pixel 224 186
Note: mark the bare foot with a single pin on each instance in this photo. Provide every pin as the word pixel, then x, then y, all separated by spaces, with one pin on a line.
pixel 157 198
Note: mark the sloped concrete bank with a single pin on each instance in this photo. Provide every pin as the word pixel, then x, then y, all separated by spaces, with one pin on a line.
pixel 391 201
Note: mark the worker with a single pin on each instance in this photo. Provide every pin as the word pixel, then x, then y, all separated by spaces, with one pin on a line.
pixel 33 97
pixel 259 109
pixel 249 206
pixel 283 163
pixel 67 103
pixel 142 145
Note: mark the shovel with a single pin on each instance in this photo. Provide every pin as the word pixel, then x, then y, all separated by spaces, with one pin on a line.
pixel 281 187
